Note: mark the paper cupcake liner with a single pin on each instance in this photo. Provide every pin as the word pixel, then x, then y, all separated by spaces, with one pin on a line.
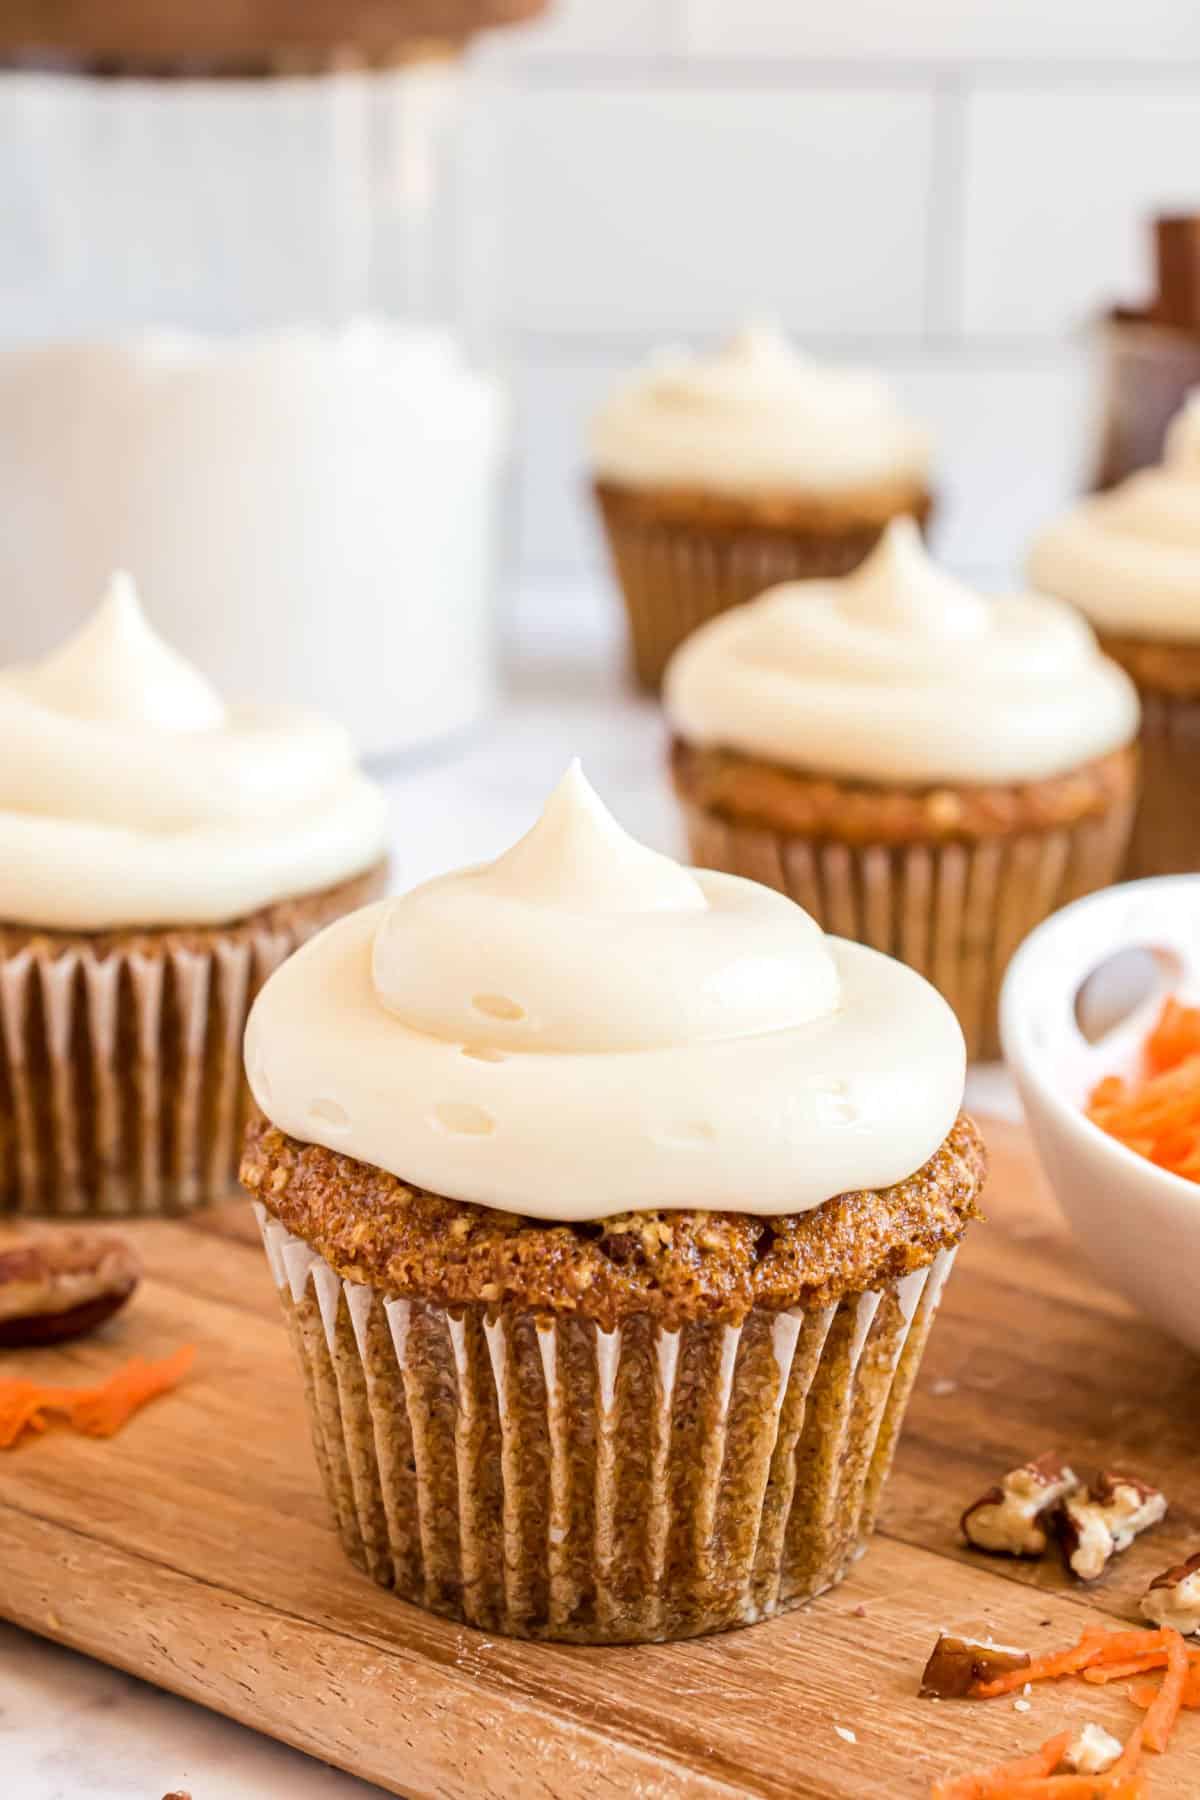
pixel 674 578
pixel 955 912
pixel 121 1083
pixel 549 1479
pixel 1166 830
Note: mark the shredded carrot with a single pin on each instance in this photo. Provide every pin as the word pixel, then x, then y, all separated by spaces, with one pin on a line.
pixel 1099 1655
pixel 1089 1649
pixel 1159 1722
pixel 1157 1114
pixel 990 1782
pixel 1140 1665
pixel 1145 1693
pixel 97 1411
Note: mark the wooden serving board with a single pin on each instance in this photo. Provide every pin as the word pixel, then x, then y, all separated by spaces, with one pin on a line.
pixel 194 1551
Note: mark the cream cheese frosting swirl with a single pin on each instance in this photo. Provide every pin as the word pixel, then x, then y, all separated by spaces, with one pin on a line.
pixel 583 1028
pixel 755 415
pixel 130 795
pixel 1130 558
pixel 899 673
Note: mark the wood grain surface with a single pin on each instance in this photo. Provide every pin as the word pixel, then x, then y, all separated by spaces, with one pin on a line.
pixel 194 1551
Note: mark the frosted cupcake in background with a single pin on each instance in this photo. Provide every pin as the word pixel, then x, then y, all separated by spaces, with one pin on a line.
pixel 609 1204
pixel 160 853
pixel 923 768
pixel 1130 560
pixel 720 475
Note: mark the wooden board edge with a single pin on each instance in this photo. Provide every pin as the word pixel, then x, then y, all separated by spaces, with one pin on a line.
pixel 271 1670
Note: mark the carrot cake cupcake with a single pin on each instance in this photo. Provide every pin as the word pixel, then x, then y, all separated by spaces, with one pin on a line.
pixel 609 1204
pixel 719 475
pixel 923 768
pixel 160 853
pixel 1130 560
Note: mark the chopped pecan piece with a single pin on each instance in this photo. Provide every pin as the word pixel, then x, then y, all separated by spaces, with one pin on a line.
pixel 1091 1751
pixel 956 1665
pixel 1101 1521
pixel 1011 1520
pixel 60 1285
pixel 1173 1598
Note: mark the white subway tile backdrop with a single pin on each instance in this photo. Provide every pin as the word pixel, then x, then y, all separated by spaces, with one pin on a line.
pixel 949 190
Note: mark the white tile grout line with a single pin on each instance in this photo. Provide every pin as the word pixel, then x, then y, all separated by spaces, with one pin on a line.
pixel 946 214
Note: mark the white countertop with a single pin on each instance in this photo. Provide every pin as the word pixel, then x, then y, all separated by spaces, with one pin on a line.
pixel 71 1729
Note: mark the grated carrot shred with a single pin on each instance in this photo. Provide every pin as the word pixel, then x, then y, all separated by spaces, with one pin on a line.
pixel 1145 1693
pixel 1098 1655
pixel 1090 1649
pixel 1157 1726
pixel 990 1782
pixel 1121 1671
pixel 98 1411
pixel 1157 1114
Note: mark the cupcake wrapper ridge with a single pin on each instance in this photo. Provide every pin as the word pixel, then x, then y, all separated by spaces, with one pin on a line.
pixel 553 1480
pixel 121 1083
pixel 955 912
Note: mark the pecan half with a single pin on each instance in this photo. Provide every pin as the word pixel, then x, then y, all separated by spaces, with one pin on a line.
pixel 1011 1519
pixel 957 1665
pixel 61 1285
pixel 1098 1523
pixel 1173 1598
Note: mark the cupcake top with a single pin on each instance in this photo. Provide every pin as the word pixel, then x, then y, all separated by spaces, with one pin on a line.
pixel 584 1028
pixel 1130 558
pixel 755 415
pixel 131 795
pixel 898 673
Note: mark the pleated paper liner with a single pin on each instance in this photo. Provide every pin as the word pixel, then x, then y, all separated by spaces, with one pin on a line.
pixel 549 1479
pixel 121 1083
pixel 1166 829
pixel 955 912
pixel 676 577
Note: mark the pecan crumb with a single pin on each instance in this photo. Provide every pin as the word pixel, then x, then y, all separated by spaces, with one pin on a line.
pixel 956 1665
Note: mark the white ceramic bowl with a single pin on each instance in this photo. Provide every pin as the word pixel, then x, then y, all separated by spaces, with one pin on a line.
pixel 1138 1224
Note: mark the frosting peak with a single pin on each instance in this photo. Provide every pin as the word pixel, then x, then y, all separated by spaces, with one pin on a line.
pixel 565 1041
pixel 1130 558
pixel 577 857
pixel 755 415
pixel 117 669
pixel 898 673
pixel 581 940
pixel 900 589
pixel 130 795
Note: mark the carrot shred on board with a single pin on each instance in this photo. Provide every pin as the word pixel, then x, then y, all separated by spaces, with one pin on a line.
pixel 1141 1665
pixel 1099 1654
pixel 1157 1113
pixel 98 1411
pixel 1159 1722
pixel 990 1782
pixel 1146 1693
pixel 1089 1649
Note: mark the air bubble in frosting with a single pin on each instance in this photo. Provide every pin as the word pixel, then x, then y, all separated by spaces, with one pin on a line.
pixel 329 1114
pixel 497 1006
pixel 461 1119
